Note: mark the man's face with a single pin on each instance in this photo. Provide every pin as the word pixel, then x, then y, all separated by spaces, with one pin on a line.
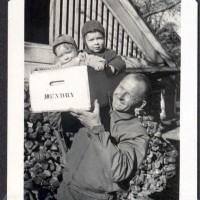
pixel 95 41
pixel 65 52
pixel 128 95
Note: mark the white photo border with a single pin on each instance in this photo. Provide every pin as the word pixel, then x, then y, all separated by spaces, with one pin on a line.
pixel 188 105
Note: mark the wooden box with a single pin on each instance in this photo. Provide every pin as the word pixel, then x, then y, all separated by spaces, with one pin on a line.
pixel 73 87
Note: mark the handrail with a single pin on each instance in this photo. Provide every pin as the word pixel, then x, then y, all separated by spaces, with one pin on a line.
pixel 132 21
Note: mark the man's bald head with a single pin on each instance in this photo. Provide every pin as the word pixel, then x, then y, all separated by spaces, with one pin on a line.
pixel 144 84
pixel 132 92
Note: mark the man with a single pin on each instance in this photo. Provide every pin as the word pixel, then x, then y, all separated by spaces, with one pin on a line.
pixel 99 162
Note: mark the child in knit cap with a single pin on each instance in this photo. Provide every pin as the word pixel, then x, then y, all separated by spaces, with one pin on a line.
pixel 94 38
pixel 66 51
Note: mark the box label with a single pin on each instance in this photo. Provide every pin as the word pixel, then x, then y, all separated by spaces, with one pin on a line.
pixel 60 89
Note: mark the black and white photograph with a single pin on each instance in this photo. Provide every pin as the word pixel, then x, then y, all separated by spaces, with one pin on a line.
pixel 101 99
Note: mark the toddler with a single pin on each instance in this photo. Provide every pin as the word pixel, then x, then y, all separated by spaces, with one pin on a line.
pixel 94 38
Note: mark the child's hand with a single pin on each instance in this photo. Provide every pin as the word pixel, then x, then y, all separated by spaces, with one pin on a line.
pixel 82 58
pixel 99 66
pixel 58 64
pixel 73 62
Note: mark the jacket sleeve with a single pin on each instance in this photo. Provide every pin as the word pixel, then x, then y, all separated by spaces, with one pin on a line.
pixel 116 61
pixel 91 60
pixel 121 160
pixel 55 120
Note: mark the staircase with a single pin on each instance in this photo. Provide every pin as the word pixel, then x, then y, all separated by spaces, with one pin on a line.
pixel 126 32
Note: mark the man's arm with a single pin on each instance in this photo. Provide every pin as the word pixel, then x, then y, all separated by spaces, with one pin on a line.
pixel 55 120
pixel 121 160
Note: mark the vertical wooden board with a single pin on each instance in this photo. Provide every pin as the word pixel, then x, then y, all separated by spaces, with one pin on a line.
pixel 82 11
pixel 105 10
pixel 120 40
pixel 99 10
pixel 64 17
pixel 125 44
pixel 70 19
pixel 109 27
pixel 51 21
pixel 137 52
pixel 142 55
pixel 76 23
pixel 88 10
pixel 130 52
pixel 139 55
pixel 57 20
pixel 134 50
pixel 115 35
pixel 94 11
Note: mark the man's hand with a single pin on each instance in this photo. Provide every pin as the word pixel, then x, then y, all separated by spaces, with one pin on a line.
pixel 88 119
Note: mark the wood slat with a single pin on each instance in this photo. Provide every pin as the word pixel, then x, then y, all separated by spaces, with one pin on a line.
pixel 64 16
pixel 88 10
pixel 82 11
pixel 94 9
pixel 134 50
pixel 119 51
pixel 51 21
pixel 70 19
pixel 130 52
pixel 117 38
pixel 57 20
pixel 114 34
pixel 99 12
pixel 109 29
pixel 76 22
pixel 105 10
pixel 125 44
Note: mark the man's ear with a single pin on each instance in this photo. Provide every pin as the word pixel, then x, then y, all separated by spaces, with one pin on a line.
pixel 144 103
pixel 139 110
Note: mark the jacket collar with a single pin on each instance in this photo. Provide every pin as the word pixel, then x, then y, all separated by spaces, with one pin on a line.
pixel 118 116
pixel 88 51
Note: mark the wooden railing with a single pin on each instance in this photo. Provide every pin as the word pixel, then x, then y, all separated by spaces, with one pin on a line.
pixel 123 34
pixel 67 16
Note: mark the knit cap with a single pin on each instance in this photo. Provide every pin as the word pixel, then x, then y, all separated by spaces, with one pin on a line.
pixel 64 39
pixel 92 26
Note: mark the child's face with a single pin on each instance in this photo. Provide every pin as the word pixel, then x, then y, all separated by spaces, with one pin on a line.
pixel 95 41
pixel 65 52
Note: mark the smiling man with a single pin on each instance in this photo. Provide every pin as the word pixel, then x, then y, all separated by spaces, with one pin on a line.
pixel 100 163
